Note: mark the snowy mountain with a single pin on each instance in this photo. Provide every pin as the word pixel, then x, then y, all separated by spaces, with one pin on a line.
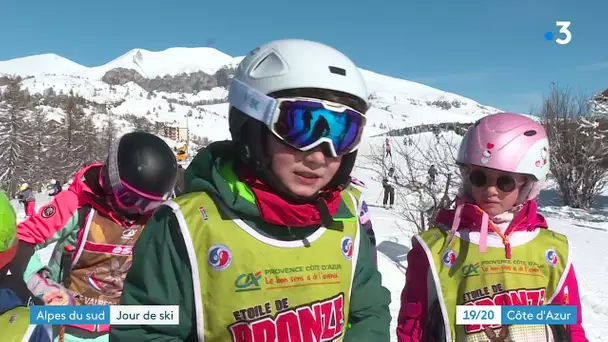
pixel 188 87
pixel 172 61
pixel 40 65
pixel 600 103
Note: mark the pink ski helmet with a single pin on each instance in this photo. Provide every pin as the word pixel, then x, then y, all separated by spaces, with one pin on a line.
pixel 511 143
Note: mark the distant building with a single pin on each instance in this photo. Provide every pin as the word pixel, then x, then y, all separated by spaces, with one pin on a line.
pixel 182 134
pixel 175 132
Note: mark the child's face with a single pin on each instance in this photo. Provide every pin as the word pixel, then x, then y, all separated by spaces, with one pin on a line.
pixel 494 191
pixel 303 173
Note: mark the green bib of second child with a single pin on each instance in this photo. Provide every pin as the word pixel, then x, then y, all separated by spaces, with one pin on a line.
pixel 15 324
pixel 249 287
pixel 465 276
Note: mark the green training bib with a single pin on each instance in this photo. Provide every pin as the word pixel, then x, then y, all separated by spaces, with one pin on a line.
pixel 249 287
pixel 465 276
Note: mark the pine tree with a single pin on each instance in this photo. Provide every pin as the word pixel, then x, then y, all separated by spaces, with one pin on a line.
pixel 13 110
pixel 91 142
pixel 69 154
pixel 142 124
pixel 108 136
pixel 39 168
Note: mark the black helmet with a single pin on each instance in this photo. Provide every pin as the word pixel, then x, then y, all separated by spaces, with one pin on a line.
pixel 141 171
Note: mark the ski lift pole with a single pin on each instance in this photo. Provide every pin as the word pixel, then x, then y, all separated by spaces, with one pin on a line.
pixel 567 302
pixel 187 136
pixel 64 271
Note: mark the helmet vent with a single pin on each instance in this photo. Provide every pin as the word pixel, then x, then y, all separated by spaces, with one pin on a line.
pixel 337 71
pixel 530 133
pixel 270 65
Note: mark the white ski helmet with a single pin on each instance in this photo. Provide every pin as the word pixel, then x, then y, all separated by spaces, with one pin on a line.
pixel 295 64
pixel 292 65
pixel 53 182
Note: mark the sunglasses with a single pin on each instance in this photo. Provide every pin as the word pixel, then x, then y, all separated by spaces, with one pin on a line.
pixel 504 183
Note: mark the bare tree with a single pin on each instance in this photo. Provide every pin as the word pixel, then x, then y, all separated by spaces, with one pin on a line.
pixel 577 146
pixel 418 196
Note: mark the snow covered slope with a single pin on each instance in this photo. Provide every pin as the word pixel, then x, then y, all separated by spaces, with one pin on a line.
pixel 38 65
pixel 396 103
pixel 417 103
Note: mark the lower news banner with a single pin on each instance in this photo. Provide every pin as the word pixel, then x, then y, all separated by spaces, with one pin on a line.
pixel 541 314
pixel 105 314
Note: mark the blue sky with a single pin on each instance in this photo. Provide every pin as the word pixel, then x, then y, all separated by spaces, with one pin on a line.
pixel 489 50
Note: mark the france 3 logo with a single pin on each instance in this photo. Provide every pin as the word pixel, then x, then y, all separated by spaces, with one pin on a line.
pixel 564 35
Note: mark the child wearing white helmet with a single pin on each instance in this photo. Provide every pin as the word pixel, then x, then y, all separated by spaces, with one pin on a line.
pixel 504 161
pixel 266 243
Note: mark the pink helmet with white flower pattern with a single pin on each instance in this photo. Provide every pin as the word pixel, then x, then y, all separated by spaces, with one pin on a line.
pixel 508 142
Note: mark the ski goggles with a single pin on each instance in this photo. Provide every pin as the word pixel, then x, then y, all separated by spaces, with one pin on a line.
pixel 136 202
pixel 504 183
pixel 302 123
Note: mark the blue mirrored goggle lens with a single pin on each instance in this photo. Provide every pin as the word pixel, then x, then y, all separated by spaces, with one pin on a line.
pixel 302 123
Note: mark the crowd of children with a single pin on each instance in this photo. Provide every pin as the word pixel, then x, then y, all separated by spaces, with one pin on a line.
pixel 277 196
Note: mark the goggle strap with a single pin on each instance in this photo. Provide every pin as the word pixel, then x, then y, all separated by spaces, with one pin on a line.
pixel 252 102
pixel 112 166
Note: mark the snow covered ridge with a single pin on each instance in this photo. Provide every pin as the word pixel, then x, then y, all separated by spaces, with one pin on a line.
pixel 600 102
pixel 164 86
pixel 150 64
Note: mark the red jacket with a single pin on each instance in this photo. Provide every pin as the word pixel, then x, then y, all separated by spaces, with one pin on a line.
pixel 414 298
pixel 52 217
pixel 55 216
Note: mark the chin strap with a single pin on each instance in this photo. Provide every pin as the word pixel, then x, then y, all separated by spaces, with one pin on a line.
pixel 460 202
pixel 483 234
pixel 483 238
pixel 328 220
